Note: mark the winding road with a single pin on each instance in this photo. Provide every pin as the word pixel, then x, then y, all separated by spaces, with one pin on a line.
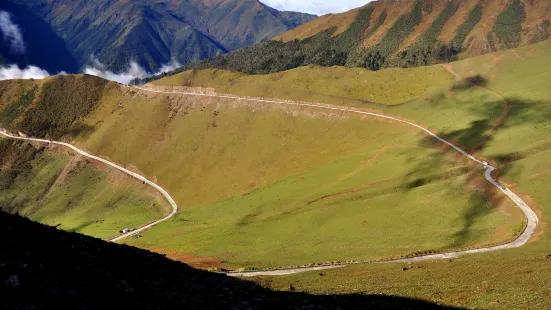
pixel 165 194
pixel 531 217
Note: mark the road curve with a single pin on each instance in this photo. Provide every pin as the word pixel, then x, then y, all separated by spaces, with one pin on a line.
pixel 531 217
pixel 165 194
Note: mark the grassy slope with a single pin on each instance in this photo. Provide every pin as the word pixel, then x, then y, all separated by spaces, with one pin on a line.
pixel 53 187
pixel 262 226
pixel 520 146
pixel 336 85
pixel 243 172
pixel 229 158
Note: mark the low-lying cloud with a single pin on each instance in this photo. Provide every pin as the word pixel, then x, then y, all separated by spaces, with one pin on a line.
pixel 11 33
pixel 12 72
pixel 134 71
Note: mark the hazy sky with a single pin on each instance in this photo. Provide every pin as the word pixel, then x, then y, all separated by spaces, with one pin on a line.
pixel 318 7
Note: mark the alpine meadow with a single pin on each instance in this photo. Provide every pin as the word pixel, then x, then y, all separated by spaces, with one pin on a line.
pixel 394 156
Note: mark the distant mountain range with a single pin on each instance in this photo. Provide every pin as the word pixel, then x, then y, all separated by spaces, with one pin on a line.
pixel 397 33
pixel 71 34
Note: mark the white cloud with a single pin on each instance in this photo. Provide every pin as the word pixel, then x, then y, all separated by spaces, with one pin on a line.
pixel 125 77
pixel 11 33
pixel 14 72
pixel 318 7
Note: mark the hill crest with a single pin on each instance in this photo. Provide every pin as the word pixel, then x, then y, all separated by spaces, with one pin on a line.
pixel 397 33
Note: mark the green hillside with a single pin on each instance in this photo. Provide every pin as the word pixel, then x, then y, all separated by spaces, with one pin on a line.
pixel 504 117
pixel 339 180
pixel 499 108
pixel 334 85
pixel 56 188
pixel 263 185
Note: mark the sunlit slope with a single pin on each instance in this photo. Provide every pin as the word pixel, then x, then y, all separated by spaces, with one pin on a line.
pixel 271 184
pixel 395 34
pixel 56 188
pixel 505 116
pixel 335 85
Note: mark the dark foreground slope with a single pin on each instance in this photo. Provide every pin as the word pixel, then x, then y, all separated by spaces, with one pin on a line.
pixel 42 267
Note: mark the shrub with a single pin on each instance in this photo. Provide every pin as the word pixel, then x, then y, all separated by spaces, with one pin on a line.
pixel 508 25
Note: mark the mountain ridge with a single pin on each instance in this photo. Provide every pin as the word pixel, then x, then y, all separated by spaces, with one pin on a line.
pixel 396 33
pixel 153 32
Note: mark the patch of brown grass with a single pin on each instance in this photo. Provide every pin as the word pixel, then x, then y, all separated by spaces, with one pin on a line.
pixel 394 12
pixel 479 43
pixel 192 260
pixel 428 18
pixel 341 21
pixel 450 28
pixel 537 12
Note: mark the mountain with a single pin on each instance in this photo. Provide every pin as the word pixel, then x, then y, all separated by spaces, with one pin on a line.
pixel 43 46
pixel 235 23
pixel 262 184
pixel 398 33
pixel 149 32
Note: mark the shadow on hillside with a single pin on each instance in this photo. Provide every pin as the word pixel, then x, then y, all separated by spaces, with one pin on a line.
pixel 80 130
pixel 493 118
pixel 47 268
pixel 470 82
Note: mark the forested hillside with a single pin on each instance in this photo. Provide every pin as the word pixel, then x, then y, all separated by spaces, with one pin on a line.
pixel 397 33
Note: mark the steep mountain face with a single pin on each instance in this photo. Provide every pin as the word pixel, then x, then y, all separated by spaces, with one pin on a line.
pixel 398 33
pixel 151 32
pixel 235 23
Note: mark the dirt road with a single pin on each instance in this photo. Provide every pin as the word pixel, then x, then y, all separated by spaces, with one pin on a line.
pixel 165 194
pixel 531 217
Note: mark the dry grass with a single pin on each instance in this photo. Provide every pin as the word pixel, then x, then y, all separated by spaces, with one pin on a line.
pixel 537 12
pixel 478 36
pixel 450 28
pixel 340 21
pixel 393 14
pixel 428 18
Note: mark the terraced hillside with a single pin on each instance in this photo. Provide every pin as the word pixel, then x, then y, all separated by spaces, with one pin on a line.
pixel 397 33
pixel 241 169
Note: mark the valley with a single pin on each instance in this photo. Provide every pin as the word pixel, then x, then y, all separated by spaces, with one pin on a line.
pixel 400 150
pixel 354 168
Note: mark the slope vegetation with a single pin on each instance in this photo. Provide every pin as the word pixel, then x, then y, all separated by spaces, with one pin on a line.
pixel 57 188
pixel 335 85
pixel 390 33
pixel 500 109
pixel 243 167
